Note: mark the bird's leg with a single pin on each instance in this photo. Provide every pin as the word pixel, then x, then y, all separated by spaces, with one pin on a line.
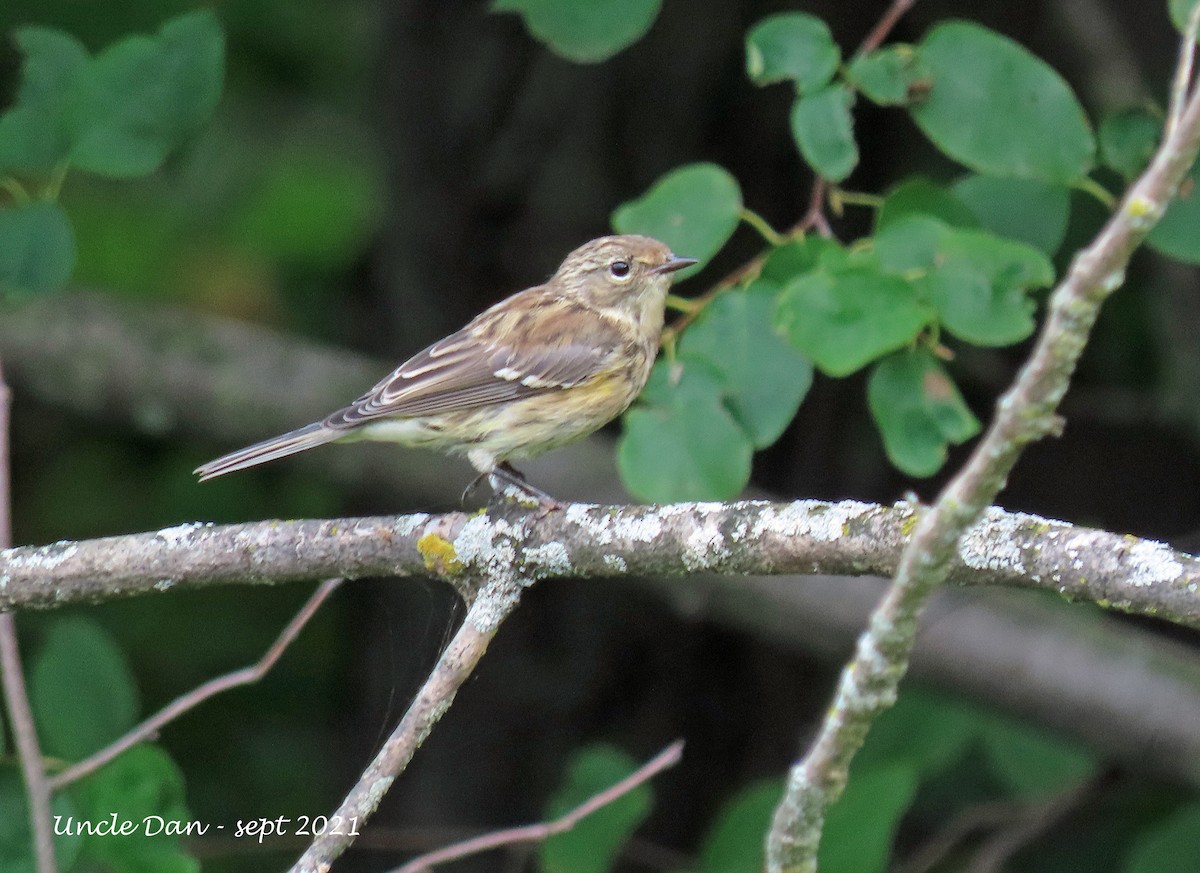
pixel 505 473
pixel 471 486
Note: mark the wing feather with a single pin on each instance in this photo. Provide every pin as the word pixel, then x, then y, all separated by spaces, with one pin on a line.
pixel 499 357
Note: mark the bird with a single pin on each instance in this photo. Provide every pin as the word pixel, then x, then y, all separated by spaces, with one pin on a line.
pixel 541 368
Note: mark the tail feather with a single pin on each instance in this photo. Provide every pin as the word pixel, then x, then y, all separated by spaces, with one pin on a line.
pixel 268 450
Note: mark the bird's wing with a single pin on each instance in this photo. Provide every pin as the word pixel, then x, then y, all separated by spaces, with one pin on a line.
pixel 502 355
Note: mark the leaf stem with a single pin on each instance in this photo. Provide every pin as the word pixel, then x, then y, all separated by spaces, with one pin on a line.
pixel 756 221
pixel 54 187
pixel 15 190
pixel 839 197
pixel 1088 185
pixel 682 304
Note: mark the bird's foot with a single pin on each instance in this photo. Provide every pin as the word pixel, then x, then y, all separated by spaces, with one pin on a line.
pixel 509 484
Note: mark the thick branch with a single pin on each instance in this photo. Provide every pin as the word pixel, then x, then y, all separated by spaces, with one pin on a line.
pixel 743 538
pixel 1117 687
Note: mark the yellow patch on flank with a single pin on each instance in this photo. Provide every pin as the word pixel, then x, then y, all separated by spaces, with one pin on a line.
pixel 439 555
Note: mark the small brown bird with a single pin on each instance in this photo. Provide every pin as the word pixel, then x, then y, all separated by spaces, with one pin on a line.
pixel 546 366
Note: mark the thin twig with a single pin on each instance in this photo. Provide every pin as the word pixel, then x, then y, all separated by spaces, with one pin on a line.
pixel 1182 82
pixel 947 838
pixel 12 676
pixel 37 789
pixel 869 684
pixel 668 757
pixel 883 27
pixel 814 218
pixel 173 710
pixel 491 606
pixel 1035 820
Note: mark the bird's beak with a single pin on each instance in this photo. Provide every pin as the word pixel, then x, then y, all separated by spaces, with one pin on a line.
pixel 674 264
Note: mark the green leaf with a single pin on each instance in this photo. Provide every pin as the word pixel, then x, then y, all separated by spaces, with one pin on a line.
pixel 920 196
pixel 16 837
pixel 824 130
pixel 33 133
pixel 763 379
pixel 81 689
pixel 1035 764
pixel 680 442
pixel 1027 210
pixel 693 209
pixel 998 109
pixel 979 286
pixel 918 411
pixel 585 31
pixel 37 248
pixel 1128 140
pixel 888 76
pixel 792 46
pixel 796 257
pixel 142 95
pixel 978 282
pixel 144 786
pixel 1172 846
pixel 593 845
pixel 737 841
pixel 843 321
pixel 910 244
pixel 1178 233
pixel 860 827
pixel 925 729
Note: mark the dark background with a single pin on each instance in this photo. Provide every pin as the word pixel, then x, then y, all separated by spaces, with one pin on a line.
pixel 379 172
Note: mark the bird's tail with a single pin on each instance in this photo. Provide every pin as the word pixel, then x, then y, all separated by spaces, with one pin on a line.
pixel 268 450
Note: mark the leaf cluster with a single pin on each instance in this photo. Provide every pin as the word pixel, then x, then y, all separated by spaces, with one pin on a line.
pixel 117 114
pixel 84 696
pixel 947 264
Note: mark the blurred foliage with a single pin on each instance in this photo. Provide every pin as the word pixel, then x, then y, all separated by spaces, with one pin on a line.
pixel 242 220
pixel 896 776
pixel 225 218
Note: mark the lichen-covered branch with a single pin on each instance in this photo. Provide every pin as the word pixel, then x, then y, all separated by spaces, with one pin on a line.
pixel 494 600
pixel 743 538
pixel 1025 413
pixel 1141 697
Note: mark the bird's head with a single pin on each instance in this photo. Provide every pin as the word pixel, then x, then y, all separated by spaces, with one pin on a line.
pixel 627 272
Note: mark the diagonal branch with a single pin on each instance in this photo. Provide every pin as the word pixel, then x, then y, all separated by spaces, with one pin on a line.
pixel 495 601
pixel 1025 413
pixel 668 757
pixel 173 710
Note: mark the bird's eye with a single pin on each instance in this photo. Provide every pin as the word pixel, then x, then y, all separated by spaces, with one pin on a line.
pixel 619 269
